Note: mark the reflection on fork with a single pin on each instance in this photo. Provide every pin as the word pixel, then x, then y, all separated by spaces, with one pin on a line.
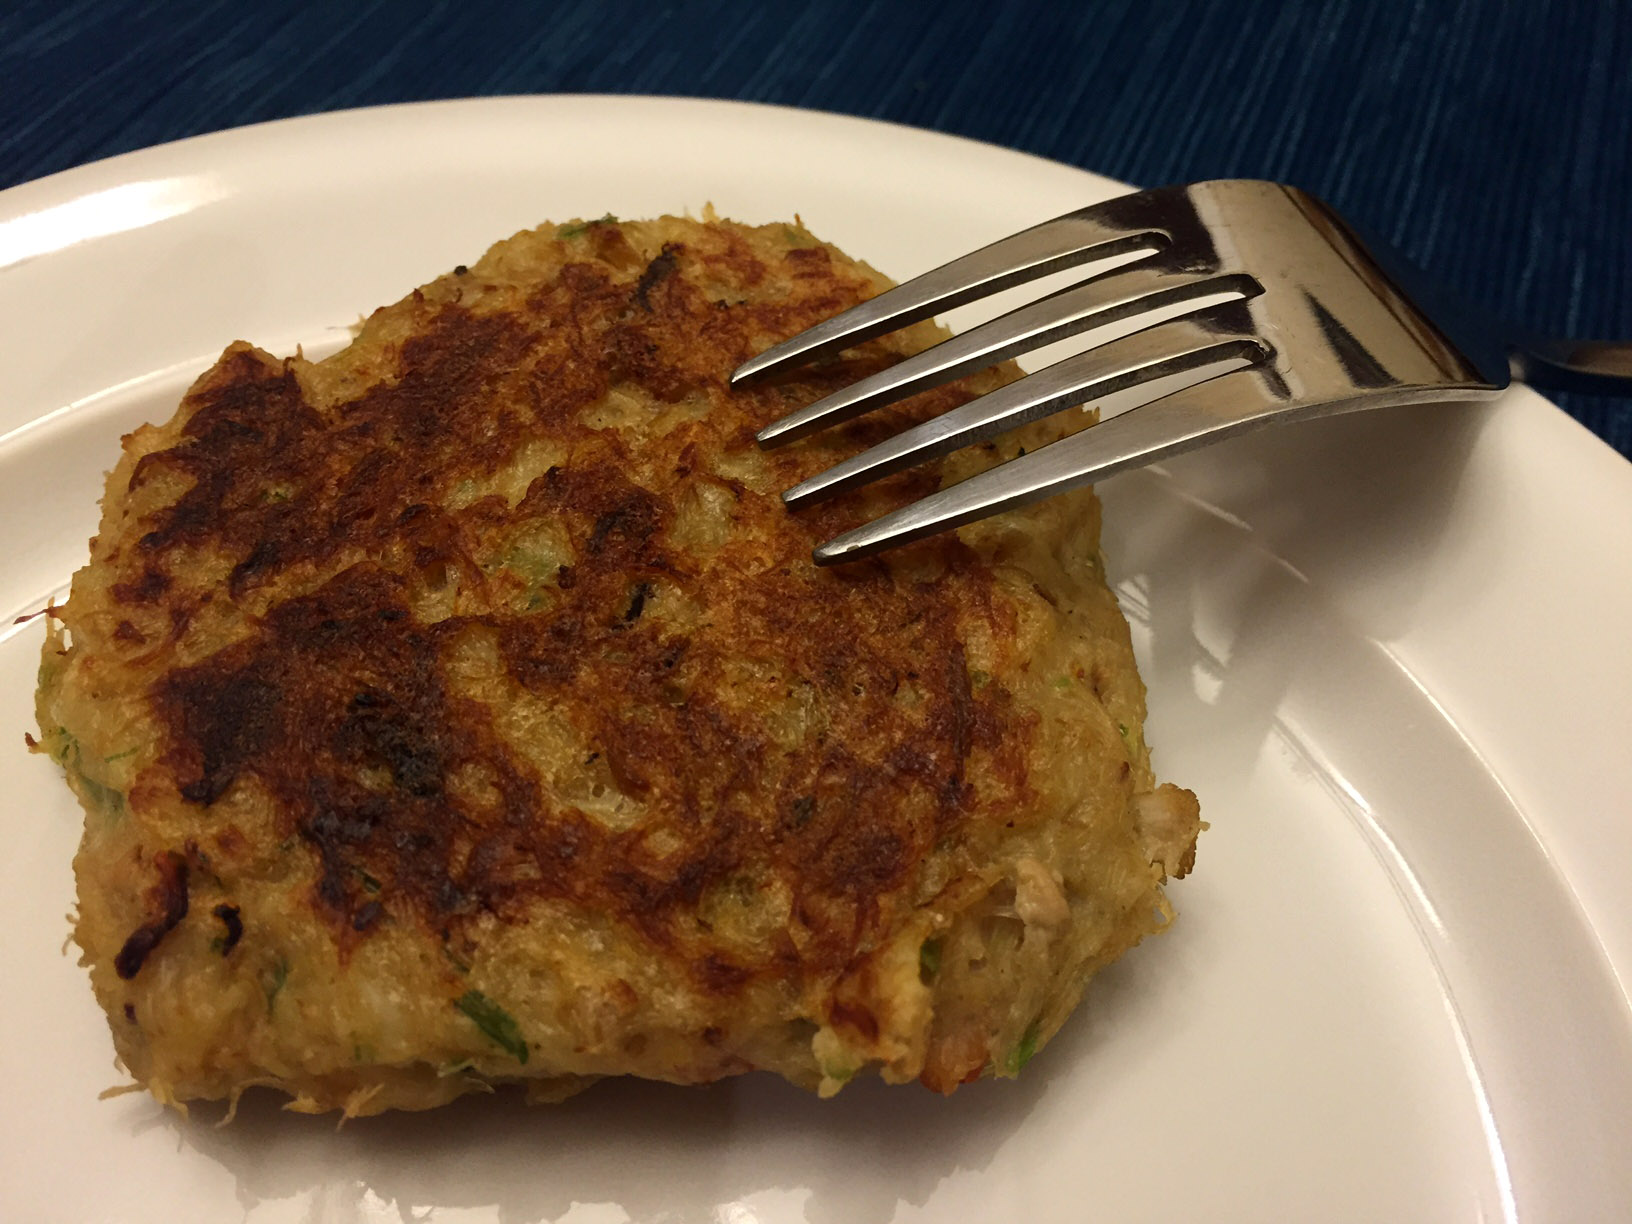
pixel 1214 308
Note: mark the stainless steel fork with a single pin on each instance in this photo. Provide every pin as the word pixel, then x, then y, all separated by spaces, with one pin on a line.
pixel 1222 307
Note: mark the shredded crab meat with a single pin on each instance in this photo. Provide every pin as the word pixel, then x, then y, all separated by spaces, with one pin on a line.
pixel 1169 822
pixel 1038 898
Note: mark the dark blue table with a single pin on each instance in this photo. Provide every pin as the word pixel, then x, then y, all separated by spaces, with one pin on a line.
pixel 1492 139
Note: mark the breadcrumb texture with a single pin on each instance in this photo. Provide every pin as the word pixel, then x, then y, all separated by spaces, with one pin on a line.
pixel 464 708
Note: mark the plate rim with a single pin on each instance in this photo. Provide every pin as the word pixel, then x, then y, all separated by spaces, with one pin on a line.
pixel 75 181
pixel 1607 909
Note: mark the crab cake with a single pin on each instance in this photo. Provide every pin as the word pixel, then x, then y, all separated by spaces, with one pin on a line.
pixel 464 708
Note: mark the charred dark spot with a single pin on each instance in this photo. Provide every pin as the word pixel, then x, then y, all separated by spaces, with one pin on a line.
pixel 127 632
pixel 130 1012
pixel 331 886
pixel 659 270
pixel 262 558
pixel 367 916
pixel 865 863
pixel 637 603
pixel 450 898
pixel 223 721
pixel 627 526
pixel 377 731
pixel 348 820
pixel 722 975
pixel 167 903
pixel 460 269
pixel 804 808
pixel 565 577
pixel 228 914
pixel 543 660
pixel 148 588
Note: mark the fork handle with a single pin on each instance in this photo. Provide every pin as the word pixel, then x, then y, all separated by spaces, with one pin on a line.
pixel 1596 367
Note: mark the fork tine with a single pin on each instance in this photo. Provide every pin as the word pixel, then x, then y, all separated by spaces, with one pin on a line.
pixel 1120 375
pixel 1074 239
pixel 1195 416
pixel 1138 297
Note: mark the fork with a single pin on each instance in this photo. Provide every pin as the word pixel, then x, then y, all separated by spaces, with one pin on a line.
pixel 1213 309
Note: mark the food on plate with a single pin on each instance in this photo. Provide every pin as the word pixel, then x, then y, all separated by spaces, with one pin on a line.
pixel 464 708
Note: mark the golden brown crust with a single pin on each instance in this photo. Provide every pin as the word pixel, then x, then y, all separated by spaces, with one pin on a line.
pixel 493 622
pixel 340 703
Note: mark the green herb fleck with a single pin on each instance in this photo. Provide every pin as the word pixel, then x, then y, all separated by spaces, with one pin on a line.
pixel 62 744
pixel 279 976
pixel 572 231
pixel 361 1053
pixel 1022 1053
pixel 496 1023
pixel 1127 737
pixel 929 960
pixel 369 883
pixel 1062 683
pixel 119 756
pixel 979 679
pixel 65 751
pixel 104 797
pixel 838 1073
pixel 218 945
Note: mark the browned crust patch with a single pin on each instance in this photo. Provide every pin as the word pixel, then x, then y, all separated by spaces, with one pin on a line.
pixel 340 517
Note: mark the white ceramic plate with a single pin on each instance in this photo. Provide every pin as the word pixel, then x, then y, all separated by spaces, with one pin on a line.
pixel 1390 652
